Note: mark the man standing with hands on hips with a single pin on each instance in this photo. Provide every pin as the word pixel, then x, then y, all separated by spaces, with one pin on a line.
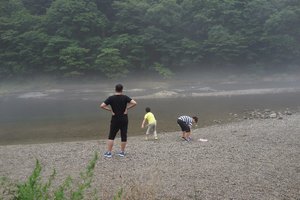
pixel 118 104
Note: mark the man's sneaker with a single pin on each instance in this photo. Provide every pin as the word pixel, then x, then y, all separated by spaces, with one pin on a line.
pixel 107 154
pixel 121 153
pixel 186 139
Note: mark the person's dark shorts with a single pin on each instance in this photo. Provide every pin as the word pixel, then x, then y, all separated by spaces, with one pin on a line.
pixel 118 123
pixel 184 127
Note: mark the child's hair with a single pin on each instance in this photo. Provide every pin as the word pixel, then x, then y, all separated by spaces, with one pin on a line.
pixel 195 118
pixel 148 109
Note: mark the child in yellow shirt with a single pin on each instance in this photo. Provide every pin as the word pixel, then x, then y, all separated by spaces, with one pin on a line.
pixel 150 119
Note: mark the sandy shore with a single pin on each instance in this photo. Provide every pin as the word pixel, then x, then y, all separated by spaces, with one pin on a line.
pixel 252 159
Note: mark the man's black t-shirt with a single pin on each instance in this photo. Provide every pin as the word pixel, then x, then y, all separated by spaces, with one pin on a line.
pixel 118 103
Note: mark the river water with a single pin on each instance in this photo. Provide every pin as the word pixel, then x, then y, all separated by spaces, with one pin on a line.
pixel 71 112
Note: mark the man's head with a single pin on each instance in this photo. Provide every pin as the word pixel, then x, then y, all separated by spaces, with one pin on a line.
pixel 195 119
pixel 119 88
pixel 148 109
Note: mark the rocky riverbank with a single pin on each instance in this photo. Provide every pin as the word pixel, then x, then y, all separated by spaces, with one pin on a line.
pixel 251 159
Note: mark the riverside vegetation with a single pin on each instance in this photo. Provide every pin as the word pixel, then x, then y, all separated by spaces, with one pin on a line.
pixel 34 188
pixel 113 38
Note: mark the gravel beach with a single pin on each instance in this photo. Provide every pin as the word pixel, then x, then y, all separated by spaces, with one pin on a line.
pixel 250 159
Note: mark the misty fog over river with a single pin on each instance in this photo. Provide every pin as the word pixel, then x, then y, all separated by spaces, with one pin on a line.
pixel 68 112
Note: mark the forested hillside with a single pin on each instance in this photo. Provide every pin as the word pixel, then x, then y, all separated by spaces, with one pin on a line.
pixel 116 37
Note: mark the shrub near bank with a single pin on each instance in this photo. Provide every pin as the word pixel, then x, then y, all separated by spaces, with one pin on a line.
pixel 34 188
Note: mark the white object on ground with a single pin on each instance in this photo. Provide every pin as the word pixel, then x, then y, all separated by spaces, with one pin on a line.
pixel 203 140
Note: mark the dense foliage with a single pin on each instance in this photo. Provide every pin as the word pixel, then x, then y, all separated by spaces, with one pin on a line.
pixel 115 37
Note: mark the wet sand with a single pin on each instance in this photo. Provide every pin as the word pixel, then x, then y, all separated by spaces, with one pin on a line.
pixel 251 159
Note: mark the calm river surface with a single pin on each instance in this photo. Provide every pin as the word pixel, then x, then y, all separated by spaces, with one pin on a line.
pixel 68 113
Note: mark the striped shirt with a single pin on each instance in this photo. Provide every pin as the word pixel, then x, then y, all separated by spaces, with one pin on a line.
pixel 188 120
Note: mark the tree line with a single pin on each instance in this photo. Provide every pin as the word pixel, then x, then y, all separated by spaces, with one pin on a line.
pixel 115 37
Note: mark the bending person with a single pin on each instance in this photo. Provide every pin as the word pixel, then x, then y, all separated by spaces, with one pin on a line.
pixel 185 123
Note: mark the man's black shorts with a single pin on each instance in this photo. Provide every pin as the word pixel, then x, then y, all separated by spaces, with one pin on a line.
pixel 118 123
pixel 184 127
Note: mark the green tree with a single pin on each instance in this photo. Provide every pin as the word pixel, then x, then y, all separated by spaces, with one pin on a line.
pixel 76 19
pixel 65 36
pixel 51 52
pixel 37 7
pixel 76 29
pixel 111 63
pixel 283 40
pixel 130 47
pixel 30 48
pixel 222 46
pixel 73 60
pixel 21 41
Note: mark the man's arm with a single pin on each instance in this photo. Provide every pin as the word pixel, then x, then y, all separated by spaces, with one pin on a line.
pixel 106 107
pixel 131 104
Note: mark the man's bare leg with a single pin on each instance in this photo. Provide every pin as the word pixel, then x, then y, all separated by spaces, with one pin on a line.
pixel 123 145
pixel 110 144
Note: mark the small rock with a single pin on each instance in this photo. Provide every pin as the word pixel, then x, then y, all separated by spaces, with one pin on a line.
pixel 288 112
pixel 273 115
